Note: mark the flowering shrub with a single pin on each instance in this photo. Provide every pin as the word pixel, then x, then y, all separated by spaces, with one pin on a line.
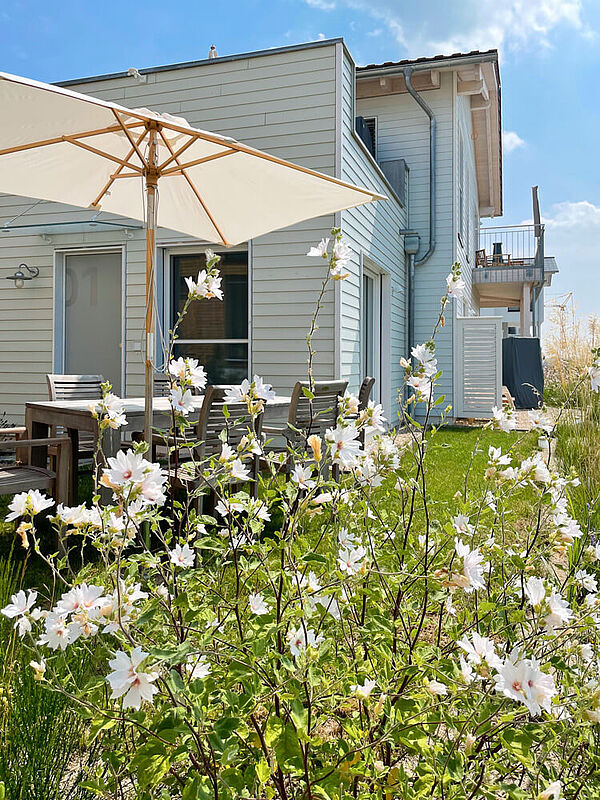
pixel 350 638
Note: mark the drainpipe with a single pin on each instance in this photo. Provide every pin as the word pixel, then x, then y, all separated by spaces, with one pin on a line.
pixel 411 246
pixel 407 72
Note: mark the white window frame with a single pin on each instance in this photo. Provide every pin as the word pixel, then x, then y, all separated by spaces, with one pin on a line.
pixel 461 188
pixel 381 331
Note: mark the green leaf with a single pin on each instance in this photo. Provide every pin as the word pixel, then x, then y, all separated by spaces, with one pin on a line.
pixel 198 789
pixel 300 717
pixel 273 730
pixel 233 778
pixel 151 763
pixel 287 750
pixel 263 771
pixel 314 558
pixel 225 726
pixel 414 739
pixel 518 742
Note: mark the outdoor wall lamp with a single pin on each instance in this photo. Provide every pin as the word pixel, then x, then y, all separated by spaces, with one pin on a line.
pixel 20 277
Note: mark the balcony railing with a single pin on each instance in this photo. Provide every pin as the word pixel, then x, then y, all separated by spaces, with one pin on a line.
pixel 513 254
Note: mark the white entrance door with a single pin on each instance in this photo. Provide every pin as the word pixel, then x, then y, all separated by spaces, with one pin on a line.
pixel 92 316
pixel 371 329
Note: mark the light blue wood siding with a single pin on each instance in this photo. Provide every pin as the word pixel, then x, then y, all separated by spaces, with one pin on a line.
pixel 372 230
pixel 403 132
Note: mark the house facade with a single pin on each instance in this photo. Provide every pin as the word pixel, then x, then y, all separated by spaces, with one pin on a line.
pixel 425 134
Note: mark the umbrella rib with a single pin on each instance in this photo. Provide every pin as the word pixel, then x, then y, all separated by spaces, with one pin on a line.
pixel 140 155
pixel 175 154
pixel 118 172
pixel 97 152
pixel 59 139
pixel 188 164
pixel 194 190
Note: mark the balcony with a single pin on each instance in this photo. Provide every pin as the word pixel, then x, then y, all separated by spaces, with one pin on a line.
pixel 507 260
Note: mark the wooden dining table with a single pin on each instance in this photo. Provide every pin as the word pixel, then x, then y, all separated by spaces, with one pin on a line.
pixel 75 416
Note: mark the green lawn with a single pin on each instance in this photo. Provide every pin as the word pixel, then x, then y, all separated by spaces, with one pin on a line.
pixel 450 452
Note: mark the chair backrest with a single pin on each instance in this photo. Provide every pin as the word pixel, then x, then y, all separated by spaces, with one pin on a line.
pixel 212 421
pixel 74 387
pixel 364 393
pixel 480 258
pixel 162 385
pixel 325 406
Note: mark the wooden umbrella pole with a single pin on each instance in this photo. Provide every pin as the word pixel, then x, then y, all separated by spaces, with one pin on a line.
pixel 151 175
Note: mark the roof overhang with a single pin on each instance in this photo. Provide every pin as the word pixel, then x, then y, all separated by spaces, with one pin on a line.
pixel 478 79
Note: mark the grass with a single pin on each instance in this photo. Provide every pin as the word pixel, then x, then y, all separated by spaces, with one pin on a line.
pixel 578 449
pixel 451 450
pixel 36 573
pixel 41 738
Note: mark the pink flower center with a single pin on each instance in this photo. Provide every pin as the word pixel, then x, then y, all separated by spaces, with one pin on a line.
pixel 517 686
pixel 127 474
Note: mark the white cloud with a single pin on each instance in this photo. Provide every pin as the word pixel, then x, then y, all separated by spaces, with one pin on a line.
pixel 572 236
pixel 322 5
pixel 473 24
pixel 511 141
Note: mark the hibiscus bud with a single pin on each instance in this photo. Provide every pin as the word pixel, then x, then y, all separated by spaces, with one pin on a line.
pixel 22 530
pixel 39 668
pixel 315 443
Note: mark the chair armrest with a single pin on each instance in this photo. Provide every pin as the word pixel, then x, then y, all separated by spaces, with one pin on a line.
pixel 274 431
pixel 169 440
pixel 56 441
pixel 13 431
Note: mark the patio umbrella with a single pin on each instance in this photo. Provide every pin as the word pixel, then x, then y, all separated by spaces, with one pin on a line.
pixel 71 148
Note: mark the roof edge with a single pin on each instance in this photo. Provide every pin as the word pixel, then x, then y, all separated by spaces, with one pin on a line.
pixel 201 62
pixel 427 62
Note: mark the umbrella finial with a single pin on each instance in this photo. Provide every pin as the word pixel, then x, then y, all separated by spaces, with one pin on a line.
pixel 212 53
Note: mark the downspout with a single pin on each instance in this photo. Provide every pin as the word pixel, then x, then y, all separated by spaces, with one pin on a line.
pixel 407 72
pixel 411 246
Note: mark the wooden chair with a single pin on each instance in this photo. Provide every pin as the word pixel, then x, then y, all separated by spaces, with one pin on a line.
pixel 162 385
pixel 21 476
pixel 364 393
pixel 76 387
pixel 302 421
pixel 211 422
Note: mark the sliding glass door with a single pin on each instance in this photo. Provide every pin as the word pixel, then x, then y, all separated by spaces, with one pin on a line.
pixel 214 331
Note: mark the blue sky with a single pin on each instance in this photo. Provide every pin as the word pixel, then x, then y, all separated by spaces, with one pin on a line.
pixel 550 61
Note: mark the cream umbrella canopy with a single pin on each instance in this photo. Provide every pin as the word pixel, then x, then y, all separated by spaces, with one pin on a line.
pixel 71 148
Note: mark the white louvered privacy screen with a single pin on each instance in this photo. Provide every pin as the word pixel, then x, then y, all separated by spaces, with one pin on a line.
pixel 478 365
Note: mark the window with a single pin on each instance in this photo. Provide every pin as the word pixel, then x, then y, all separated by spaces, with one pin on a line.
pixel 371 123
pixel 214 331
pixel 366 128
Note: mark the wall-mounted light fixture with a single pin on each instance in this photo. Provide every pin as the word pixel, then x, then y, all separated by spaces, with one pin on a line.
pixel 20 276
